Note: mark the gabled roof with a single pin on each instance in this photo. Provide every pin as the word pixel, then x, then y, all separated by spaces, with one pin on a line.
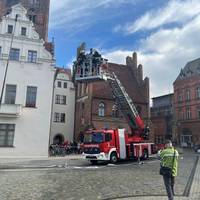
pixel 65 71
pixel 191 68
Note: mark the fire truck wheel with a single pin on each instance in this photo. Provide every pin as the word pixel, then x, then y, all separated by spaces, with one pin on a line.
pixel 145 154
pixel 93 162
pixel 113 157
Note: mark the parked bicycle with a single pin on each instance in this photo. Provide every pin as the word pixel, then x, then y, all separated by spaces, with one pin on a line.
pixel 62 150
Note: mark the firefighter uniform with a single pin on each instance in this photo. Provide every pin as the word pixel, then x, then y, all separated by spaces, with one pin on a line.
pixel 168 160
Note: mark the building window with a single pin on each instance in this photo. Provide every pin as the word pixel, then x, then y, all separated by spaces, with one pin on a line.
pixel 23 31
pixel 188 113
pixel 31 96
pixel 34 2
pixel 14 54
pixel 187 95
pixel 101 109
pixel 59 84
pixel 183 115
pixel 115 112
pixel 56 117
pixel 198 113
pixel 57 101
pixel 180 114
pixel 10 94
pixel 85 88
pixel 65 85
pixel 32 56
pixel 60 99
pixel 180 98
pixel 32 18
pixel 62 117
pixel 10 29
pixel 198 92
pixel 63 99
pixel 59 117
pixel 0 52
pixel 7 135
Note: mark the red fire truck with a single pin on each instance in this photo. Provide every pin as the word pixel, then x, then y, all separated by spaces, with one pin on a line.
pixel 112 145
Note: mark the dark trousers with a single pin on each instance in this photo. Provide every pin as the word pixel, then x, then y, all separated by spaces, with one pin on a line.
pixel 169 185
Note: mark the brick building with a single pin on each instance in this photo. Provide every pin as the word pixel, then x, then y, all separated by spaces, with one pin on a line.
pixel 37 11
pixel 95 104
pixel 187 104
pixel 162 117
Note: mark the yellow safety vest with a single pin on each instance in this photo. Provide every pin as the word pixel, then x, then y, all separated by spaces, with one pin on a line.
pixel 166 156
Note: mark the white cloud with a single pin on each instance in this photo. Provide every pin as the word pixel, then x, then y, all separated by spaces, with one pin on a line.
pixel 76 15
pixel 117 56
pixel 176 11
pixel 164 53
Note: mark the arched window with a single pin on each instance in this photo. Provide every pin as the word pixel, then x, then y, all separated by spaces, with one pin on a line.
pixel 101 109
pixel 115 112
pixel 187 96
pixel 198 92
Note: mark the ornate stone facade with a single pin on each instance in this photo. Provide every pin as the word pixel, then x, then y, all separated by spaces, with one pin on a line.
pixel 187 104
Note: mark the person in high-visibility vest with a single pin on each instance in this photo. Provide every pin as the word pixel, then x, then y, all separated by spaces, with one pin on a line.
pixel 169 158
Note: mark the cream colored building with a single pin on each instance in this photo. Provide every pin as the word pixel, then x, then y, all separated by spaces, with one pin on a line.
pixel 62 127
pixel 25 113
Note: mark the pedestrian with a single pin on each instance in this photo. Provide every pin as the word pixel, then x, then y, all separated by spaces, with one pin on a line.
pixel 169 165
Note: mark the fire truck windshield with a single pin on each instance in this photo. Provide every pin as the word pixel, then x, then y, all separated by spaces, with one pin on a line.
pixel 97 137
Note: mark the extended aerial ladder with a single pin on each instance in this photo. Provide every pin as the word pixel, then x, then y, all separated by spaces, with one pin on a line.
pixel 92 67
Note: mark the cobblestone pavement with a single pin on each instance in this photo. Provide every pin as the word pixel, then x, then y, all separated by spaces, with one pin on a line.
pixel 80 181
pixel 15 163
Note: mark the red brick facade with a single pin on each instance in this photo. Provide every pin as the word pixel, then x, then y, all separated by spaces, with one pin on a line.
pixel 187 104
pixel 90 97
pixel 38 12
pixel 162 118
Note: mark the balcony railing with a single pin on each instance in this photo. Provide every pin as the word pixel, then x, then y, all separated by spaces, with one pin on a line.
pixel 10 110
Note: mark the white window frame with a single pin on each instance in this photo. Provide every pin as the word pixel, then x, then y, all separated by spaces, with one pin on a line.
pixel 198 92
pixel 14 54
pixel 32 56
pixel 7 133
pixel 188 113
pixel 23 28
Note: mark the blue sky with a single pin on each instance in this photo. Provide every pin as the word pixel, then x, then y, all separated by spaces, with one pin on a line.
pixel 164 33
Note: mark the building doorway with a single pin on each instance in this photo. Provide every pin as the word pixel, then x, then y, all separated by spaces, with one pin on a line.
pixel 58 139
pixel 186 138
